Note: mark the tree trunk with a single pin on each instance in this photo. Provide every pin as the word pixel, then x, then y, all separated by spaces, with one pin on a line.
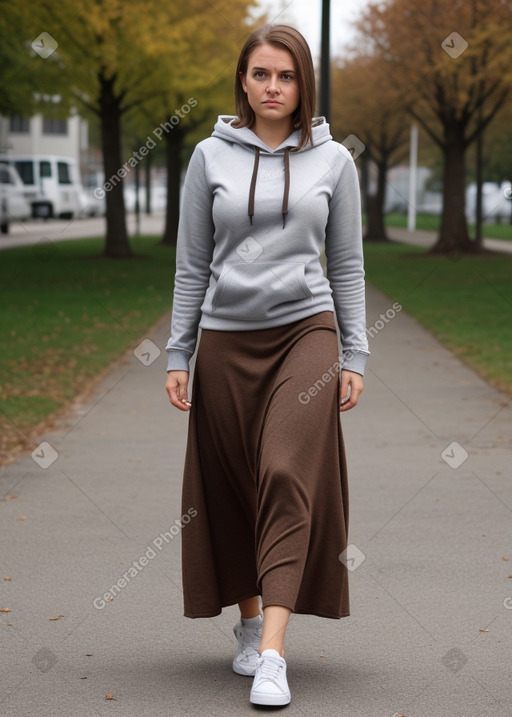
pixel 375 228
pixel 453 236
pixel 116 240
pixel 174 140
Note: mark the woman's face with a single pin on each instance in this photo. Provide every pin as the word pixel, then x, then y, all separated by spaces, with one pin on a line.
pixel 271 83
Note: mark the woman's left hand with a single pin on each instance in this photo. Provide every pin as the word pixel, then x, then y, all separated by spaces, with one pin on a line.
pixel 351 387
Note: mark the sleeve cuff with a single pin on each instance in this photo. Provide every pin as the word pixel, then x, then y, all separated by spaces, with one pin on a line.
pixel 178 360
pixel 354 361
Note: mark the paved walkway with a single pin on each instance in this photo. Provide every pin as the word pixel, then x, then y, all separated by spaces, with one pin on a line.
pixel 33 232
pixel 427 239
pixel 431 562
pixel 55 230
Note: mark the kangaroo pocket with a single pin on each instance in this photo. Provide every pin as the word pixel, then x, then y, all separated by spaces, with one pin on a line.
pixel 259 290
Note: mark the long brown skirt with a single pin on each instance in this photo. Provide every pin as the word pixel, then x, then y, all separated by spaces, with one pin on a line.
pixel 265 475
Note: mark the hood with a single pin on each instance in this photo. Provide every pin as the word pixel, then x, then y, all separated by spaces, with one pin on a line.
pixel 244 136
pixel 247 138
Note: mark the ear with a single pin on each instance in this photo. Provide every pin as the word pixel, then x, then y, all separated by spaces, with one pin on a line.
pixel 241 77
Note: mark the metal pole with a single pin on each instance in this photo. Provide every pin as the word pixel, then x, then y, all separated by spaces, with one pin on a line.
pixel 413 168
pixel 325 61
pixel 479 184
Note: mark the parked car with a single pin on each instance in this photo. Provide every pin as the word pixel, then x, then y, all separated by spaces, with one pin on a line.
pixel 52 184
pixel 92 206
pixel 13 205
pixel 496 202
pixel 158 197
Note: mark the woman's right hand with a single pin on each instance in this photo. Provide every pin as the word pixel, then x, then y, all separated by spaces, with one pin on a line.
pixel 177 389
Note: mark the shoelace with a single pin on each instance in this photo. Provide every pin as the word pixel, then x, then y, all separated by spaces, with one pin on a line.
pixel 270 668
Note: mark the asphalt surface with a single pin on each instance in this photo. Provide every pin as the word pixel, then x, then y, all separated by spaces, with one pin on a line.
pixel 429 452
pixel 55 230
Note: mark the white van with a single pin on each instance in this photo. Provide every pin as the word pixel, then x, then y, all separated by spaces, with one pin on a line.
pixel 52 183
pixel 13 205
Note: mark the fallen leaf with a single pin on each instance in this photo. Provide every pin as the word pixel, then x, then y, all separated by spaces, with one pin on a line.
pixel 11 497
pixel 9 624
pixel 108 696
pixel 5 609
pixel 506 559
pixel 484 629
pixel 510 576
pixel 88 654
pixel 55 618
pixel 22 517
pixel 7 578
pixel 83 678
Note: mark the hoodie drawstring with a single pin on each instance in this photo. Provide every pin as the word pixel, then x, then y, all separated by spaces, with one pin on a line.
pixel 286 184
pixel 253 182
pixel 286 192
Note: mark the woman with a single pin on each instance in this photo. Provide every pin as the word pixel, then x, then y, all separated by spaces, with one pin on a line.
pixel 265 466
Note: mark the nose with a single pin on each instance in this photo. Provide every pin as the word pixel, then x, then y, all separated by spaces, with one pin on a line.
pixel 272 86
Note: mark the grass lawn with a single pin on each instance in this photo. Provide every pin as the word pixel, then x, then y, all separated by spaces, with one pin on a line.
pixel 432 222
pixel 65 315
pixel 466 304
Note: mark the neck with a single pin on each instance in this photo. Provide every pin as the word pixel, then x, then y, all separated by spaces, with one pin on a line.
pixel 274 132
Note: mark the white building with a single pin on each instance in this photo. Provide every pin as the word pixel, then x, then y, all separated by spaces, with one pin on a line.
pixel 39 135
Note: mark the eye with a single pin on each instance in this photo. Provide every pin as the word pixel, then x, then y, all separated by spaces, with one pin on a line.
pixel 259 74
pixel 287 77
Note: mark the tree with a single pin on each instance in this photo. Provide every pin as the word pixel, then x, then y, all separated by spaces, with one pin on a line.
pixel 366 104
pixel 452 82
pixel 118 55
pixel 24 86
pixel 202 88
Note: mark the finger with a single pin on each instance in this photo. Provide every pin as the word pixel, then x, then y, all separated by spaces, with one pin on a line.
pixel 345 388
pixel 352 401
pixel 351 387
pixel 183 393
pixel 179 401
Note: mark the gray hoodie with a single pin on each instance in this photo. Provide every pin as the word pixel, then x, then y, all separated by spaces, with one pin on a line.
pixel 253 225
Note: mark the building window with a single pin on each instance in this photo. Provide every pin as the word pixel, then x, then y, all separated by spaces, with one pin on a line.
pixel 26 171
pixel 18 124
pixel 64 173
pixel 54 126
pixel 45 169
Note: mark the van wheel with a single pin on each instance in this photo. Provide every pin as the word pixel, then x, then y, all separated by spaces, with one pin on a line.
pixel 4 228
pixel 43 211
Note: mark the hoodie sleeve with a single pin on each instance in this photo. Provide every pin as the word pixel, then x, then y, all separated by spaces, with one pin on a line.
pixel 345 266
pixel 193 258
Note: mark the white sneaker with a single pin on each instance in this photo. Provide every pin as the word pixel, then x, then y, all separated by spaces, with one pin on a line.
pixel 270 686
pixel 247 655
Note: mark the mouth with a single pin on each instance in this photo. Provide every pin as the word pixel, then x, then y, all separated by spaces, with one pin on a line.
pixel 272 102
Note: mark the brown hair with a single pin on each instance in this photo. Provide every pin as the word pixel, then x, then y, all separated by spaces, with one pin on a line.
pixel 287 38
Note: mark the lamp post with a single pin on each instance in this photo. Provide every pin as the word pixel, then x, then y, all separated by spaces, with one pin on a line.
pixel 325 61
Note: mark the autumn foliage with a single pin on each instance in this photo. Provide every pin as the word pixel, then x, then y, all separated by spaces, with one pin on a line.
pixel 449 66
